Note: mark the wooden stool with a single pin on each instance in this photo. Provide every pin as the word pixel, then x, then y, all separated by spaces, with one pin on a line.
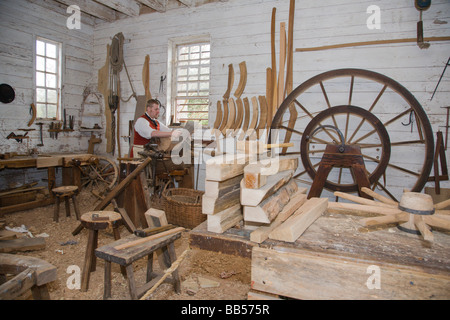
pixel 94 221
pixel 65 192
pixel 125 257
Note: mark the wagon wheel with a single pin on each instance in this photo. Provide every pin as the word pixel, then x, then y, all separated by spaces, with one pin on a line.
pixel 99 176
pixel 372 111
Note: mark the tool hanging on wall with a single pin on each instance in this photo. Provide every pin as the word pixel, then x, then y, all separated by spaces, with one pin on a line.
pixel 421 5
pixel 440 78
pixel 41 144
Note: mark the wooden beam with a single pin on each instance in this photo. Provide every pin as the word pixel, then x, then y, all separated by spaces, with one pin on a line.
pixel 253 197
pixel 370 43
pixel 159 6
pixel 294 226
pixel 92 8
pixel 269 208
pixel 296 201
pixel 187 3
pixel 128 7
pixel 224 220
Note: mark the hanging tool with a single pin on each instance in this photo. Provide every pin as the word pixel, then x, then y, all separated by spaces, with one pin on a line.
pixel 421 5
pixel 40 124
pixel 161 83
pixel 445 68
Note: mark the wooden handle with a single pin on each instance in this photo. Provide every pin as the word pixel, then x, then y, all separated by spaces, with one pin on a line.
pixel 149 238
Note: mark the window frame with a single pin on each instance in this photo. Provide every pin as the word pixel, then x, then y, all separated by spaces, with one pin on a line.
pixel 174 44
pixel 59 78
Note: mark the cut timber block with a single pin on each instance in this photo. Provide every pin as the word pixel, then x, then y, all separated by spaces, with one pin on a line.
pixel 212 205
pixel 22 244
pixel 294 226
pixel 216 189
pixel 295 202
pixel 270 207
pixel 224 220
pixel 224 167
pixel 155 217
pixel 255 175
pixel 253 197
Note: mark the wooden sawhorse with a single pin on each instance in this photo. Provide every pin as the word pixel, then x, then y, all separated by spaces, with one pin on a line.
pixel 125 257
pixel 351 157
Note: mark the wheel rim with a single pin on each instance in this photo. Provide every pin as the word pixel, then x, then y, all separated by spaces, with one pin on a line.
pixel 100 175
pixel 387 100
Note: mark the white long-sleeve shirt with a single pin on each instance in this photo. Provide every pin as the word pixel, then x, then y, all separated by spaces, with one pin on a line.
pixel 143 128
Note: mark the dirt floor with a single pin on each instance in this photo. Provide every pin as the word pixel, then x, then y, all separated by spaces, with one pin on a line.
pixel 205 275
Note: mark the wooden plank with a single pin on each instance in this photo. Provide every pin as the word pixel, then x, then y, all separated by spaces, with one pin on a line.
pixel 18 285
pixel 255 175
pixel 304 274
pixel 215 189
pixel 296 201
pixel 22 244
pixel 128 7
pixel 360 209
pixel 253 197
pixel 270 207
pixel 212 205
pixel 224 220
pixel 224 167
pixel 294 227
pixel 148 239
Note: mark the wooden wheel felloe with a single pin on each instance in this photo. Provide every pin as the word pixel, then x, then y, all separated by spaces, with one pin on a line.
pixel 100 175
pixel 372 111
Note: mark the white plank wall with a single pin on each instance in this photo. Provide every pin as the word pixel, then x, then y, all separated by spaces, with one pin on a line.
pixel 239 31
pixel 21 21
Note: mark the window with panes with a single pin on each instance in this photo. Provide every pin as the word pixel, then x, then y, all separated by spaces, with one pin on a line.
pixel 48 79
pixel 192 75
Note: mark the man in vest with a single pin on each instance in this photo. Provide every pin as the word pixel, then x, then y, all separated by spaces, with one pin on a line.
pixel 147 126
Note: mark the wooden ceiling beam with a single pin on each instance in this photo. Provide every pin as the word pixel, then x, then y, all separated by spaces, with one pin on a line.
pixel 92 8
pixel 187 3
pixel 159 6
pixel 128 7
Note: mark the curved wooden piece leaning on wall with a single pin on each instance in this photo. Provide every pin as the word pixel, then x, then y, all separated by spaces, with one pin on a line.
pixel 242 80
pixel 219 116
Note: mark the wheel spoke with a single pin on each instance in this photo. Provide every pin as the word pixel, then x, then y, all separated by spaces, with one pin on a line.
pixel 328 101
pixel 392 165
pixel 370 110
pixel 385 124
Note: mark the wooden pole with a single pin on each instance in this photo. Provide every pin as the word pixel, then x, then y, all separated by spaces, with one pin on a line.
pixel 369 43
pixel 167 273
pixel 149 238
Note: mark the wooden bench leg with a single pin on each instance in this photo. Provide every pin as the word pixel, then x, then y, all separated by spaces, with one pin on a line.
pixel 40 292
pixel 107 281
pixel 131 282
pixel 117 237
pixel 149 276
pixel 88 259
pixel 75 207
pixel 175 274
pixel 56 210
pixel 67 204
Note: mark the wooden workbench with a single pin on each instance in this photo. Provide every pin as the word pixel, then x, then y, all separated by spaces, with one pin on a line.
pixel 335 259
pixel 50 162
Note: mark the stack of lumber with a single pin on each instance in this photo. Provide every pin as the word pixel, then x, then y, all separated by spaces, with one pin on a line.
pixel 272 199
pixel 221 201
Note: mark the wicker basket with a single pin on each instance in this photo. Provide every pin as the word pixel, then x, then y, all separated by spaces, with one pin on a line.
pixel 183 207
